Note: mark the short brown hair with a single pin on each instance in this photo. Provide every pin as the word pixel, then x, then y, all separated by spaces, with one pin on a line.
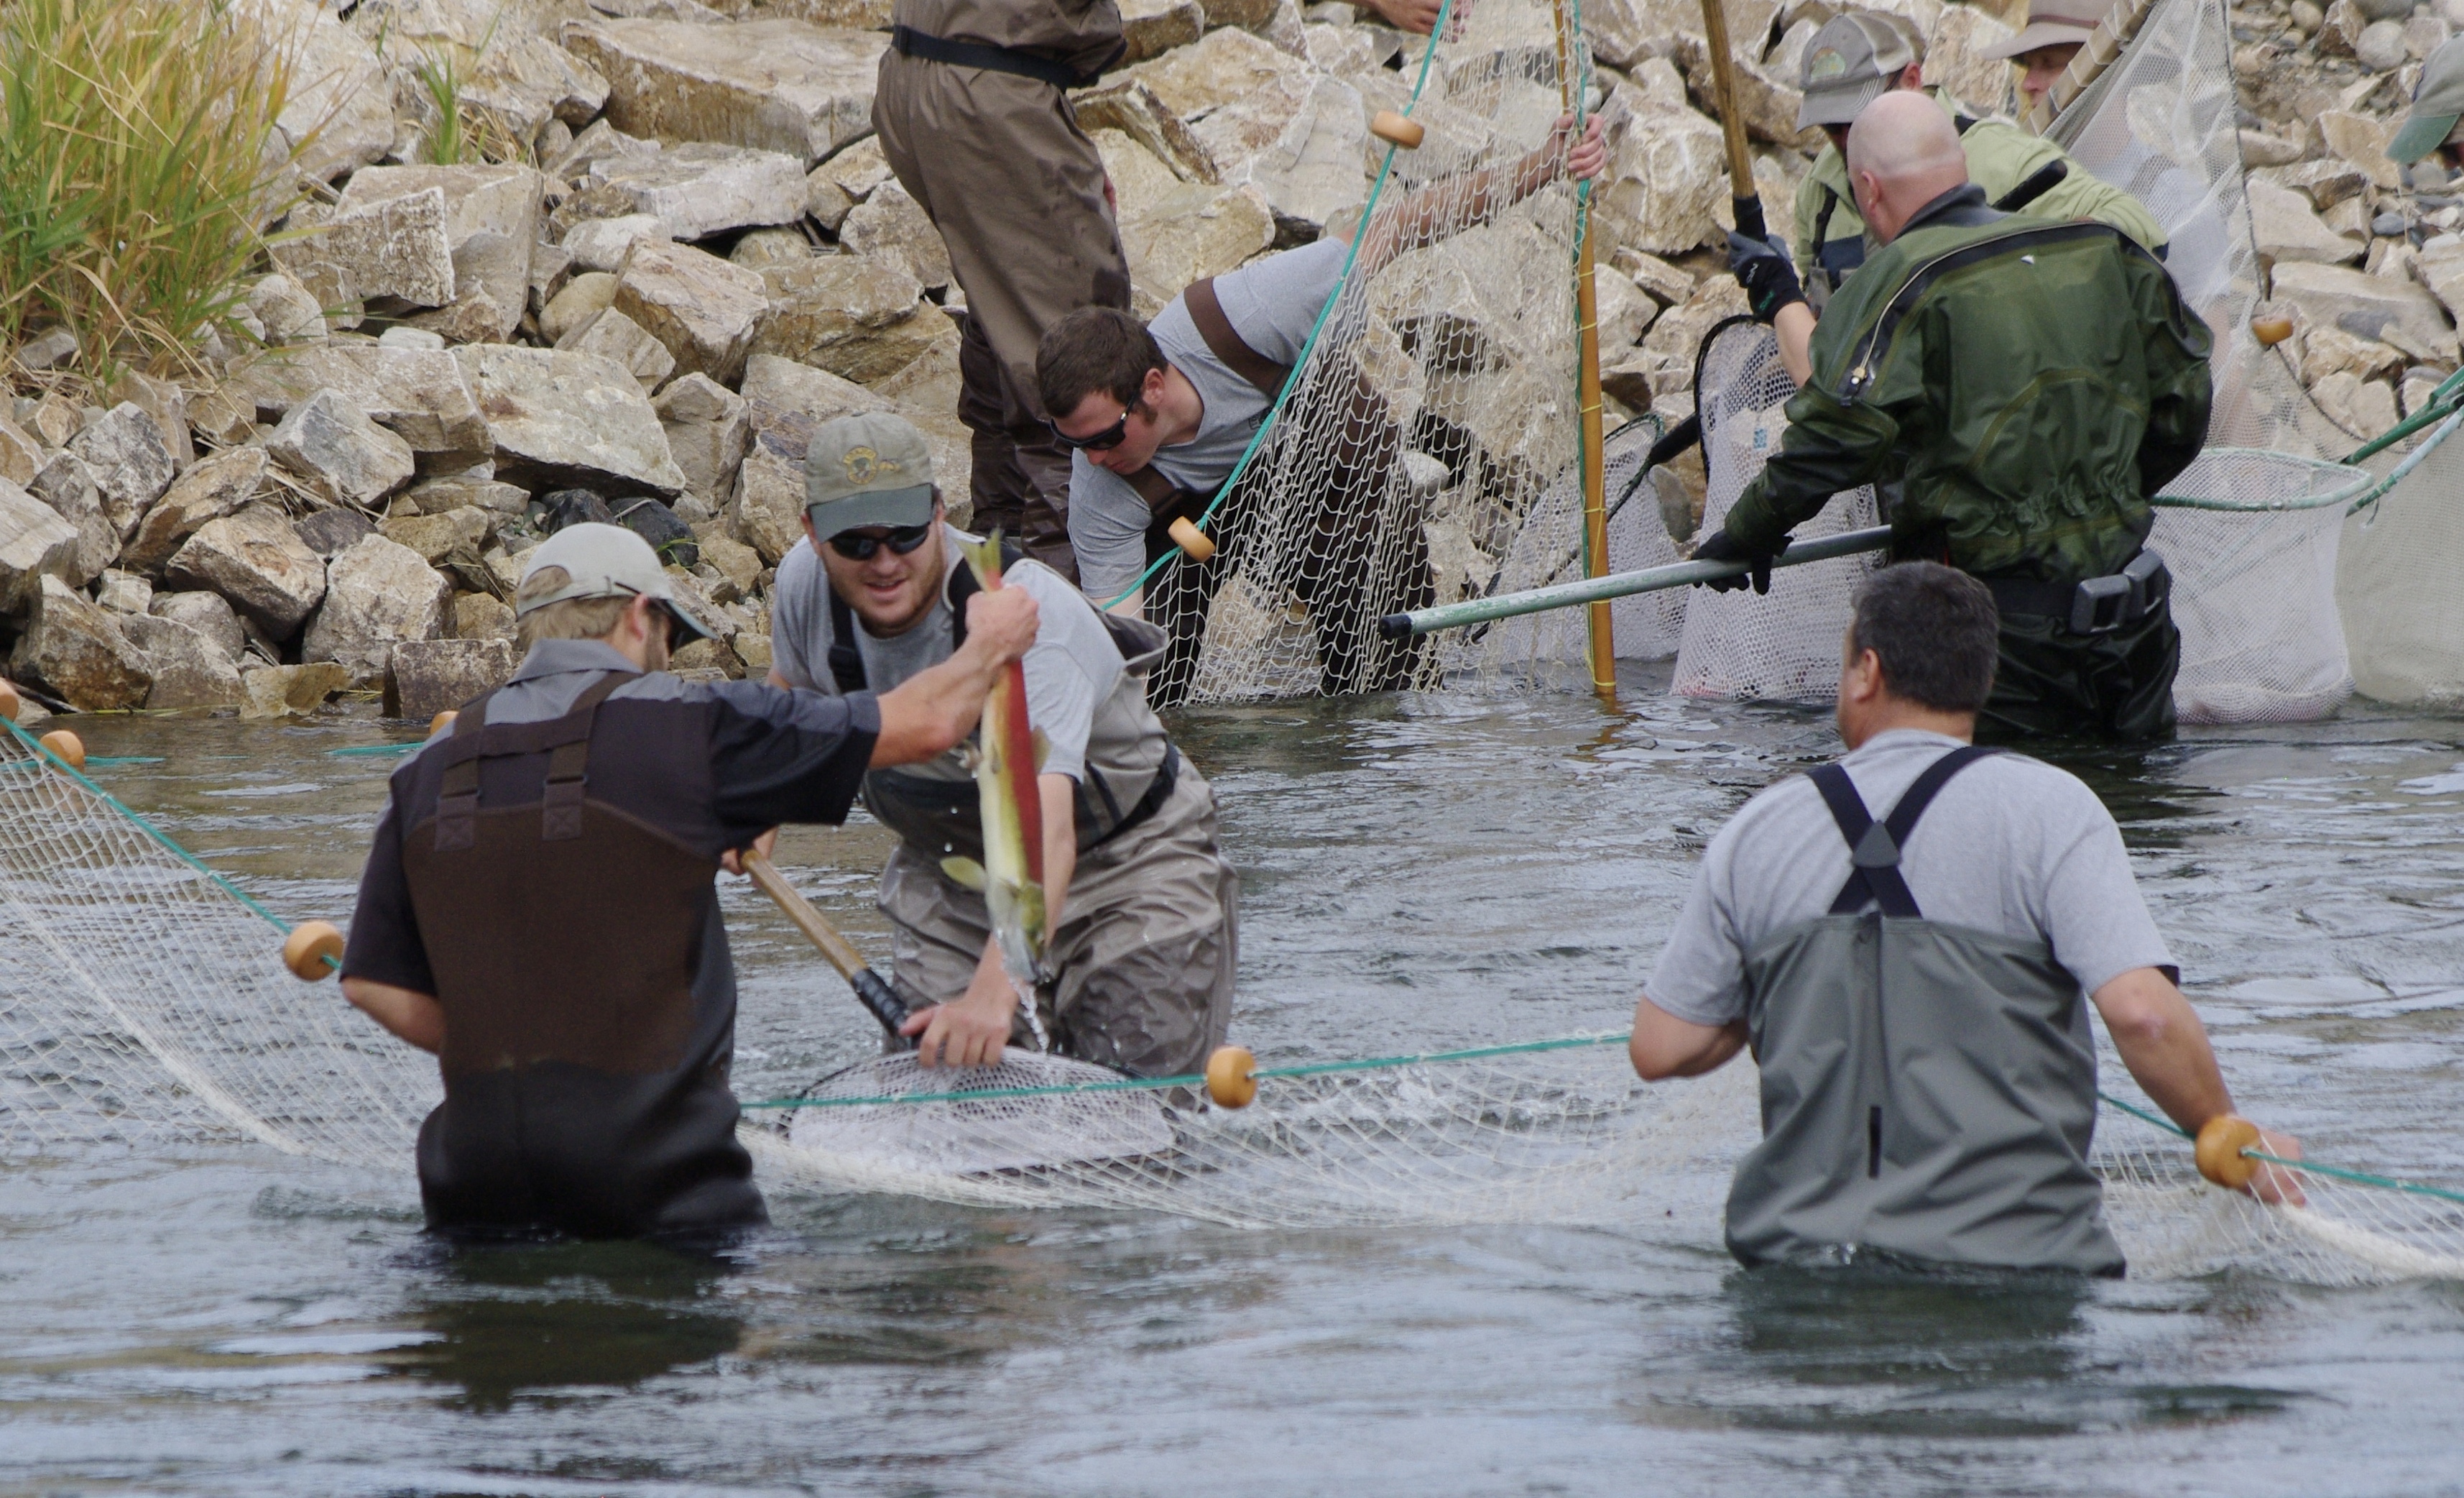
pixel 569 619
pixel 1092 349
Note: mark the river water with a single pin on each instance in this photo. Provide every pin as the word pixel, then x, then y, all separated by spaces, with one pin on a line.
pixel 1417 873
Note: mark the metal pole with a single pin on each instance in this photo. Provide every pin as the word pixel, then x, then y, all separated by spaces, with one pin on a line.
pixel 1587 359
pixel 1598 590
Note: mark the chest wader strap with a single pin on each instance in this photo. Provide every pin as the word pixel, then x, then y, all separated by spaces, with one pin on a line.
pixel 847 662
pixel 1873 846
pixel 568 740
pixel 1166 500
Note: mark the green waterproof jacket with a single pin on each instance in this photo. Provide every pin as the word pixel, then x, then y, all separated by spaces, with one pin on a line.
pixel 2029 384
pixel 2000 157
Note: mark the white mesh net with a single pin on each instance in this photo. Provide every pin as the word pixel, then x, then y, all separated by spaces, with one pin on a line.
pixel 2401 589
pixel 142 1003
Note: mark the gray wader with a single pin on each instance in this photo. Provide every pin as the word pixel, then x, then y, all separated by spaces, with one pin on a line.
pixel 1927 1091
pixel 1144 957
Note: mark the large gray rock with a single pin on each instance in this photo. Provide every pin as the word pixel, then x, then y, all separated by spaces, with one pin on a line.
pixel 767 509
pixel 1300 139
pixel 189 670
pixel 289 691
pixel 1152 28
pixel 286 310
pixel 2282 221
pixel 511 77
pixel 67 486
pixel 478 616
pixel 20 454
pixel 708 431
pixel 1666 172
pixel 812 394
pixel 1134 111
pixel 329 533
pixel 391 252
pixel 775 85
pixel 1175 231
pixel 573 305
pixel 130 465
pixel 601 244
pixel 491 281
pixel 338 455
pixel 1224 68
pixel 834 187
pixel 555 416
pixel 76 651
pixel 427 677
pixel 208 614
pixel 419 395
pixel 257 561
pixel 441 539
pixel 890 224
pixel 2380 308
pixel 339 111
pixel 215 486
pixel 618 338
pixel 856 317
pixel 34 543
pixel 705 310
pixel 376 594
pixel 699 190
pixel 167 403
pixel 123 592
pixel 478 200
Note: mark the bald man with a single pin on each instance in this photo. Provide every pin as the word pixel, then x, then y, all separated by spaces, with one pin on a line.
pixel 2029 385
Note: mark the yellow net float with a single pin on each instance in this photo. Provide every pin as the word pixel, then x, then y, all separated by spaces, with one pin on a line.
pixel 1398 130
pixel 1196 543
pixel 1230 1079
pixel 67 746
pixel 2220 1145
pixel 312 949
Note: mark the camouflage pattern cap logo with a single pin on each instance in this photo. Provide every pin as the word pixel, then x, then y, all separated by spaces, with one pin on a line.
pixel 1827 63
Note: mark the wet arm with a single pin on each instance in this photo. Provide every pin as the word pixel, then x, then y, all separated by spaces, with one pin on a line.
pixel 415 1018
pixel 2166 1049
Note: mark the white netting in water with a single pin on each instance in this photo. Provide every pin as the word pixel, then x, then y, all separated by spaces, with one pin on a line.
pixel 142 1003
pixel 1783 645
pixel 2401 582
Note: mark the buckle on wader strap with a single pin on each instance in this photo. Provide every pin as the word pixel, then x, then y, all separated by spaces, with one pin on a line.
pixel 1873 846
pixel 2098 605
pixel 566 738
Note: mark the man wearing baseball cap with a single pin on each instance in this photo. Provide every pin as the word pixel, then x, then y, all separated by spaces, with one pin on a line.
pixel 1855 60
pixel 537 907
pixel 2437 108
pixel 1139 901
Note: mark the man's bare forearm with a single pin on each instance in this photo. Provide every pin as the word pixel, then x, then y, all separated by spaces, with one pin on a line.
pixel 2164 1046
pixel 408 1015
pixel 931 710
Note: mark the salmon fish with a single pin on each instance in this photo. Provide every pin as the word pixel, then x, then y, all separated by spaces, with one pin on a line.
pixel 1006 755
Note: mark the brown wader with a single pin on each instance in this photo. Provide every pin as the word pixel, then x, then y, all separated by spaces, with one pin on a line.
pixel 1329 548
pixel 583 1091
pixel 972 117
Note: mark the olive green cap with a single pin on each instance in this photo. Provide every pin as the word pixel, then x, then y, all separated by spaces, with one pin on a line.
pixel 867 470
pixel 2438 103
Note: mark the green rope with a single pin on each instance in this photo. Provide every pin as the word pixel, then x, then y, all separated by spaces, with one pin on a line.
pixel 2361 1177
pixel 1351 256
pixel 405 747
pixel 2443 402
pixel 149 828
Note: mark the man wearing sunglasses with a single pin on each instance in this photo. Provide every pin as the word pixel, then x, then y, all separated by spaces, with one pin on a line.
pixel 1139 901
pixel 1160 413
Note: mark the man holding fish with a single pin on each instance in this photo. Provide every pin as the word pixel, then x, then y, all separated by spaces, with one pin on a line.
pixel 1071 853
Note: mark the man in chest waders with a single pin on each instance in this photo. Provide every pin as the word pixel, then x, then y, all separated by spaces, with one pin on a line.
pixel 537 908
pixel 1139 899
pixel 2028 387
pixel 1909 940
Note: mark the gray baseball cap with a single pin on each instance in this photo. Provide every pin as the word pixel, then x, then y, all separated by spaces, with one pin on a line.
pixel 605 561
pixel 1855 60
pixel 2438 103
pixel 867 470
pixel 2051 23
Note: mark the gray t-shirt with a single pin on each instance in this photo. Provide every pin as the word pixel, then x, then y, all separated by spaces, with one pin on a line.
pixel 2010 846
pixel 1273 306
pixel 1072 666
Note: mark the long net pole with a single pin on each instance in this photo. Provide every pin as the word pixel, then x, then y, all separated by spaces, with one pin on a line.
pixel 1603 631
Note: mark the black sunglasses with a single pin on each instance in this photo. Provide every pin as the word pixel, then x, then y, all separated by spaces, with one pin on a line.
pixel 1103 441
pixel 902 540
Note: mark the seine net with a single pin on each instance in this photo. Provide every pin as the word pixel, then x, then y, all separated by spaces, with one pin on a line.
pixel 2401 588
pixel 142 1003
pixel 1424 449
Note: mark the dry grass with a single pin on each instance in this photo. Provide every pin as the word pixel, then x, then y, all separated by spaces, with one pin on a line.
pixel 138 160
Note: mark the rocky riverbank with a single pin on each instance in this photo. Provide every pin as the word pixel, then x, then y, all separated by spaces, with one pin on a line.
pixel 668 246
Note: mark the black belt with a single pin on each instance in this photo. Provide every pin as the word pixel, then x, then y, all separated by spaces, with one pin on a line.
pixel 2099 605
pixel 977 55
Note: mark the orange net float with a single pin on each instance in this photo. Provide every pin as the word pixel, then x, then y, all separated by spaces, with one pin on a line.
pixel 1196 543
pixel 2220 1145
pixel 441 721
pixel 312 949
pixel 67 746
pixel 1230 1076
pixel 2271 328
pixel 1398 130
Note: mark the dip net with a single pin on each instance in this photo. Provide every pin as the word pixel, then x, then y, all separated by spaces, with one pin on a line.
pixel 144 1005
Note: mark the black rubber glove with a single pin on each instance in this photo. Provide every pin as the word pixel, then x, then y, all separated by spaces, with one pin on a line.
pixel 1717 547
pixel 1761 266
